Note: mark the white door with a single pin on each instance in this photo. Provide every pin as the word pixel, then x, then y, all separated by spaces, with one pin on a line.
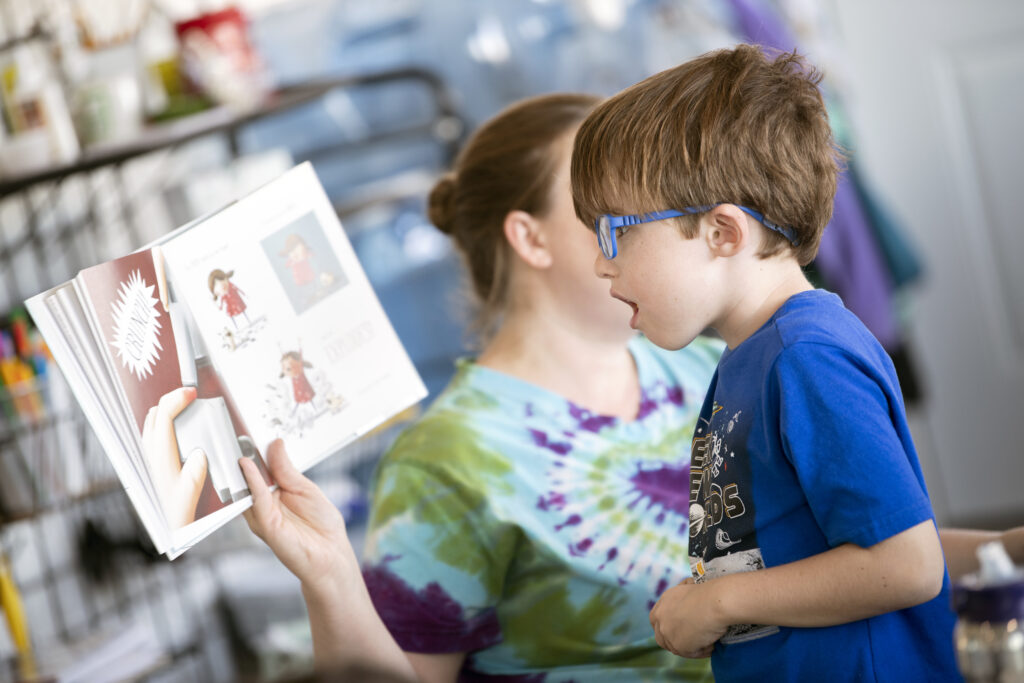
pixel 936 97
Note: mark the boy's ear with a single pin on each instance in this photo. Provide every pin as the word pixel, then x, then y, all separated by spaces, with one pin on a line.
pixel 727 230
pixel 526 236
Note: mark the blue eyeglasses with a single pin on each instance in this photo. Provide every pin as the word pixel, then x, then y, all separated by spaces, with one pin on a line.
pixel 607 225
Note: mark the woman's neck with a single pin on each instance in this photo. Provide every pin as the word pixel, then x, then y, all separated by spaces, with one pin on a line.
pixel 597 374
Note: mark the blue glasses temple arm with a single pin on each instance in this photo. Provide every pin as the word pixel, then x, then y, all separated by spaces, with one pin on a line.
pixel 616 222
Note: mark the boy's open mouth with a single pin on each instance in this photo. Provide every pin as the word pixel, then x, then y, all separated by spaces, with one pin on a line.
pixel 636 309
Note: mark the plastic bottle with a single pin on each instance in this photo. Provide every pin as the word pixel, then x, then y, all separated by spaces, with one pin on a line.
pixel 989 634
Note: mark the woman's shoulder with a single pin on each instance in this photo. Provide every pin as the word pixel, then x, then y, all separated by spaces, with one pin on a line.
pixel 427 439
pixel 451 439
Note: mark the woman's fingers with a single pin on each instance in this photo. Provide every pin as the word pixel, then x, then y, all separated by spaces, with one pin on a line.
pixel 282 470
pixel 258 516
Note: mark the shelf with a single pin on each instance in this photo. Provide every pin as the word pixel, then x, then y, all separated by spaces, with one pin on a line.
pixel 228 121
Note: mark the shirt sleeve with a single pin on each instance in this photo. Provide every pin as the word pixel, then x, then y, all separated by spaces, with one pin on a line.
pixel 435 557
pixel 844 431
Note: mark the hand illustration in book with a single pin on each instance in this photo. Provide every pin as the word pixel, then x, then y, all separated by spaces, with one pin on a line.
pixel 177 484
pixel 299 523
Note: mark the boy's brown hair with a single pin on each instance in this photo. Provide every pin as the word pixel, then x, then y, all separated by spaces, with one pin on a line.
pixel 731 126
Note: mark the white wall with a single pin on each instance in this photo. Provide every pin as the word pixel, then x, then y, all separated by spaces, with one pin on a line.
pixel 936 95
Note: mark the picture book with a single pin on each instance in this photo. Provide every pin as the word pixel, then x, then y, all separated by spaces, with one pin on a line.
pixel 253 323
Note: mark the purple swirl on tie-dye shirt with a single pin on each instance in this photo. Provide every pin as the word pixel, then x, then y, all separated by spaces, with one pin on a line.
pixel 667 486
pixel 649 402
pixel 611 555
pixel 587 420
pixel 662 585
pixel 428 620
pixel 580 548
pixel 541 439
pixel 647 406
pixel 573 520
pixel 554 500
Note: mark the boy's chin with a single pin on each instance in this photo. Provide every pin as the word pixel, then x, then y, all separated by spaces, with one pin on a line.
pixel 669 342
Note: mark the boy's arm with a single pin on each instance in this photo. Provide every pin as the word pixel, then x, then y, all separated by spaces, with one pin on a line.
pixel 959 546
pixel 840 585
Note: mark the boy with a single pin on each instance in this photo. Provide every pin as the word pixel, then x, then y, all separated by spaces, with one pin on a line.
pixel 812 539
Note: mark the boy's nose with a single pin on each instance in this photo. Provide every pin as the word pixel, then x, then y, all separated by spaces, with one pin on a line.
pixel 604 267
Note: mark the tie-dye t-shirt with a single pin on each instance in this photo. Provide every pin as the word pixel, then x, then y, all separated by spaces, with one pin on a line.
pixel 516 526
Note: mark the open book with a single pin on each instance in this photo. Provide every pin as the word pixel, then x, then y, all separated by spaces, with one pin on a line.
pixel 250 324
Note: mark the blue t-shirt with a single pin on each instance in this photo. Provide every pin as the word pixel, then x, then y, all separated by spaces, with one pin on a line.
pixel 802 445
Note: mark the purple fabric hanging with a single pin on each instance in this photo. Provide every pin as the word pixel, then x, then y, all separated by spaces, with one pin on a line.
pixel 849 259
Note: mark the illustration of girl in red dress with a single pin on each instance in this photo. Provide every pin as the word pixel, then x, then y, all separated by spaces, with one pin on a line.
pixel 227 295
pixel 293 366
pixel 298 255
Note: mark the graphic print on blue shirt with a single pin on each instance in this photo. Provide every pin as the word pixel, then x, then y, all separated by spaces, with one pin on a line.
pixel 723 539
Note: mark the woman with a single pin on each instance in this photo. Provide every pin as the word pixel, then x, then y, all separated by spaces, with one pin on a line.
pixel 524 527
pixel 528 522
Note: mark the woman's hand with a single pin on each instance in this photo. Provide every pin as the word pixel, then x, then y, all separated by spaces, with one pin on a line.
pixel 307 533
pixel 303 528
pixel 178 485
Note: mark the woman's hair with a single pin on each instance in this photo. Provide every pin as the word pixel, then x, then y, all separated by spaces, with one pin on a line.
pixel 508 164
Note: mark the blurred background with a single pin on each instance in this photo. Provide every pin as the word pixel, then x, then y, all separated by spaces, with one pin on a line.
pixel 122 119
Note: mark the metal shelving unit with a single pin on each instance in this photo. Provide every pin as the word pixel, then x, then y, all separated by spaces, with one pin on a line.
pixel 77 551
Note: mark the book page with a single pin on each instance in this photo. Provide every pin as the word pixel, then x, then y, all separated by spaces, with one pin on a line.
pixel 133 331
pixel 69 343
pixel 67 312
pixel 271 330
pixel 289 321
pixel 146 354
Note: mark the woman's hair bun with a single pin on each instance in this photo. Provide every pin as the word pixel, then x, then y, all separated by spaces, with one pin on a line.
pixel 441 204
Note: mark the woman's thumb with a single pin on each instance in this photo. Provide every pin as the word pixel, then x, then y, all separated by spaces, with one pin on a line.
pixel 281 468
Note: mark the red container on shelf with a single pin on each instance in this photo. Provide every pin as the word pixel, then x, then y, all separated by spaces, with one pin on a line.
pixel 219 59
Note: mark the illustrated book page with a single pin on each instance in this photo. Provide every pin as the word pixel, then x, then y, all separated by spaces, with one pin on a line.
pixel 254 323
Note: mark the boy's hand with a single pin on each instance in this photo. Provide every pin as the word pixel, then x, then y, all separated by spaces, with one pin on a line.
pixel 686 619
